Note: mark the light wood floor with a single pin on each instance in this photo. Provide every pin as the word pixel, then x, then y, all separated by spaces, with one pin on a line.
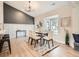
pixel 20 49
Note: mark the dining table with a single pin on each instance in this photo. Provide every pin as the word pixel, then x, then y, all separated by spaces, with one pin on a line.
pixel 42 34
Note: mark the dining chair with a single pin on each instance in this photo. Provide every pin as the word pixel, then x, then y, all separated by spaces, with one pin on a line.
pixel 33 37
pixel 29 36
pixel 49 38
pixel 76 41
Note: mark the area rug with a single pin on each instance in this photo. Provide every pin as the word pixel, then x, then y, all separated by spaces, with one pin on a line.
pixel 43 50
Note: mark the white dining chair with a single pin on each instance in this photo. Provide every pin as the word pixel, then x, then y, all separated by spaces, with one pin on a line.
pixel 49 38
pixel 34 38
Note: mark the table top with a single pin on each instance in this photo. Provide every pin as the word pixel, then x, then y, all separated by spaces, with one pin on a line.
pixel 42 34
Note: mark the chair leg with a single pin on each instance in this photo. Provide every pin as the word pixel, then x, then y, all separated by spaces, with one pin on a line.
pixel 9 46
pixel 46 41
pixel 40 42
pixel 43 42
pixel 35 43
pixel 52 42
pixel 48 45
pixel 31 41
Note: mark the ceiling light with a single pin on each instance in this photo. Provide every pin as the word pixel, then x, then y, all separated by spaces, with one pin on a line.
pixel 31 6
pixel 28 6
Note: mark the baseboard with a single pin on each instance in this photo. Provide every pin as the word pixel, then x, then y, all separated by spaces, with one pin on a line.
pixel 60 41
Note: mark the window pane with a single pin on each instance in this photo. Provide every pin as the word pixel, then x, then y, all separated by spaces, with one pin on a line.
pixel 52 24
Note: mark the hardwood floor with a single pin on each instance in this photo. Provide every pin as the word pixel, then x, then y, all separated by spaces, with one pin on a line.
pixel 20 49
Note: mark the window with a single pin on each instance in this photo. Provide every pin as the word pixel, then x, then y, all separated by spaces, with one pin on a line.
pixel 51 23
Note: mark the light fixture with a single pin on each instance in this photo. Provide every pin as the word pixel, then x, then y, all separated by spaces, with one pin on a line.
pixel 31 6
pixel 28 6
pixel 53 4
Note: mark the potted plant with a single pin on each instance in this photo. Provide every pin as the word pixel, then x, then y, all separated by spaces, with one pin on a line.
pixel 67 38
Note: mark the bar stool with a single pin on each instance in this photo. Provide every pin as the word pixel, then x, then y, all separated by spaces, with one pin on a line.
pixel 5 38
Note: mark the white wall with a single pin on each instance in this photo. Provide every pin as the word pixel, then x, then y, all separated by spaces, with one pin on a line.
pixel 1 15
pixel 64 11
pixel 75 17
pixel 11 29
pixel 75 22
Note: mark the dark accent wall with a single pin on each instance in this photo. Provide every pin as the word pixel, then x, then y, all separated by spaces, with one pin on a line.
pixel 14 16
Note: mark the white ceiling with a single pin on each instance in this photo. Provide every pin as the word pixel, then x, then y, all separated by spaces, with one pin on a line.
pixel 40 7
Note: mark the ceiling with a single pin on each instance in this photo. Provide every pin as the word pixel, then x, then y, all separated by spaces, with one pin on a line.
pixel 39 7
